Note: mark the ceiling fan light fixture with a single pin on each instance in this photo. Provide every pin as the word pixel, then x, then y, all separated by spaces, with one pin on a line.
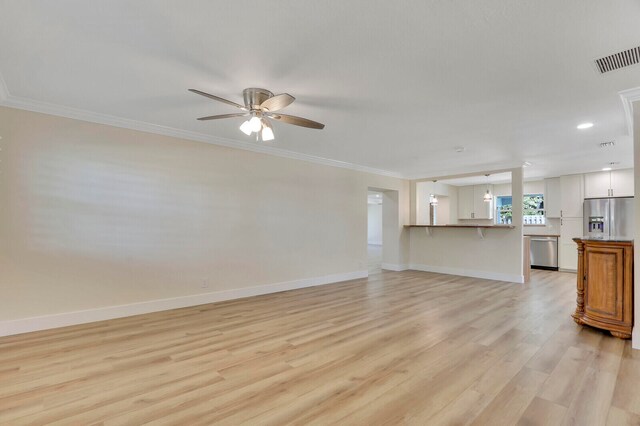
pixel 246 128
pixel 267 131
pixel 255 123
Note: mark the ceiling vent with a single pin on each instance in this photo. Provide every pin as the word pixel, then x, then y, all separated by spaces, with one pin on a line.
pixel 618 60
pixel 607 144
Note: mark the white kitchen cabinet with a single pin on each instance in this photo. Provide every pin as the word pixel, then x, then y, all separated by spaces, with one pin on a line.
pixel 465 202
pixel 597 185
pixel 616 183
pixel 481 208
pixel 568 257
pixel 572 195
pixel 552 197
pixel 471 204
pixel 622 183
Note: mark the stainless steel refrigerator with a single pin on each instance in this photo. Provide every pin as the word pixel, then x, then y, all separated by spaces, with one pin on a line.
pixel 608 217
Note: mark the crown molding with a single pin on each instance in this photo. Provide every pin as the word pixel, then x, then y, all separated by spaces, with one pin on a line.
pixel 93 117
pixel 628 97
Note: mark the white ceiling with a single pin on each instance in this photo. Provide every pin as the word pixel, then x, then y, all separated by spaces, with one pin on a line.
pixel 398 85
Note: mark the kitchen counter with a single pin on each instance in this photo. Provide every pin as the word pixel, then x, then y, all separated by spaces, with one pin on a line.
pixel 613 239
pixel 480 229
pixel 463 226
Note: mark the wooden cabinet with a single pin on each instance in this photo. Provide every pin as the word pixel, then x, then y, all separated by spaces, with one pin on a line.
pixel 605 286
pixel 615 183
pixel 572 191
pixel 552 197
pixel 471 204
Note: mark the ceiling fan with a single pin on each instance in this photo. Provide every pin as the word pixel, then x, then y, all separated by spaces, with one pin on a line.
pixel 260 105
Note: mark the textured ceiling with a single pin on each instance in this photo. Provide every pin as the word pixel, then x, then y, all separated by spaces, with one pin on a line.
pixel 398 84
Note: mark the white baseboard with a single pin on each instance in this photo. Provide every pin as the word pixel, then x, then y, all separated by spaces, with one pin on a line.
pixel 25 325
pixel 487 275
pixel 635 338
pixel 394 267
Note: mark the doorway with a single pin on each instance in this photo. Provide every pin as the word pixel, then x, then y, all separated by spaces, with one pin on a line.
pixel 374 231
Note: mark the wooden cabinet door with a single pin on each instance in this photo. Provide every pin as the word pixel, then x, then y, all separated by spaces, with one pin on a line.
pixel 572 189
pixel 596 185
pixel 465 202
pixel 604 288
pixel 622 183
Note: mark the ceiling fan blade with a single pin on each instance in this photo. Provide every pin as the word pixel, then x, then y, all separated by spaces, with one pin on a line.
pixel 217 98
pixel 298 121
pixel 217 117
pixel 277 102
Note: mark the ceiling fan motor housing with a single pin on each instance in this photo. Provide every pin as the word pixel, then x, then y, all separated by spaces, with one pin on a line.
pixel 253 97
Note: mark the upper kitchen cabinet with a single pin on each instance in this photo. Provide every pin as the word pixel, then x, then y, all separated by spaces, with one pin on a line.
pixel 471 204
pixel 597 185
pixel 572 191
pixel 616 183
pixel 622 183
pixel 552 197
pixel 465 202
pixel 482 209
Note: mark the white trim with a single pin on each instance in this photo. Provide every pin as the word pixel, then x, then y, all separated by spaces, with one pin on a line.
pixel 487 275
pixel 397 267
pixel 628 97
pixel 4 92
pixel 94 117
pixel 25 325
pixel 635 338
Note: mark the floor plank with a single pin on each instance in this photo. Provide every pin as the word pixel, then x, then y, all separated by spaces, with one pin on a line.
pixel 396 348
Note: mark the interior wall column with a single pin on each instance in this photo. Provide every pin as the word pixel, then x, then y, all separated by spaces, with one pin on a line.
pixel 636 171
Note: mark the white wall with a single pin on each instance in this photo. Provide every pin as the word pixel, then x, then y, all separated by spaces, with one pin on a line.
pixel 94 216
pixel 374 224
pixel 463 252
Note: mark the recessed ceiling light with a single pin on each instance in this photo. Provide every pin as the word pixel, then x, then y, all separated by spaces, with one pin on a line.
pixel 583 126
pixel 606 169
pixel 458 148
pixel 526 164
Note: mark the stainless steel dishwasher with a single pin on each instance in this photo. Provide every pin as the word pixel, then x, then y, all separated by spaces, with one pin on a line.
pixel 544 253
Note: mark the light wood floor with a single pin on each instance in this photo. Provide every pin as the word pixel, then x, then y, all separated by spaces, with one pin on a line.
pixel 397 348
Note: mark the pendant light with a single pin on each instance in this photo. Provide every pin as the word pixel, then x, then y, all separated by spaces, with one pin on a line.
pixel 487 196
pixel 433 198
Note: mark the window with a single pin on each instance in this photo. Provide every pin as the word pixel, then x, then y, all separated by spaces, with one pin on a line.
pixel 503 209
pixel 533 209
pixel 533 212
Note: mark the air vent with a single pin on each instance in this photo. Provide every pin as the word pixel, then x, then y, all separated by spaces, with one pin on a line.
pixel 607 144
pixel 618 60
